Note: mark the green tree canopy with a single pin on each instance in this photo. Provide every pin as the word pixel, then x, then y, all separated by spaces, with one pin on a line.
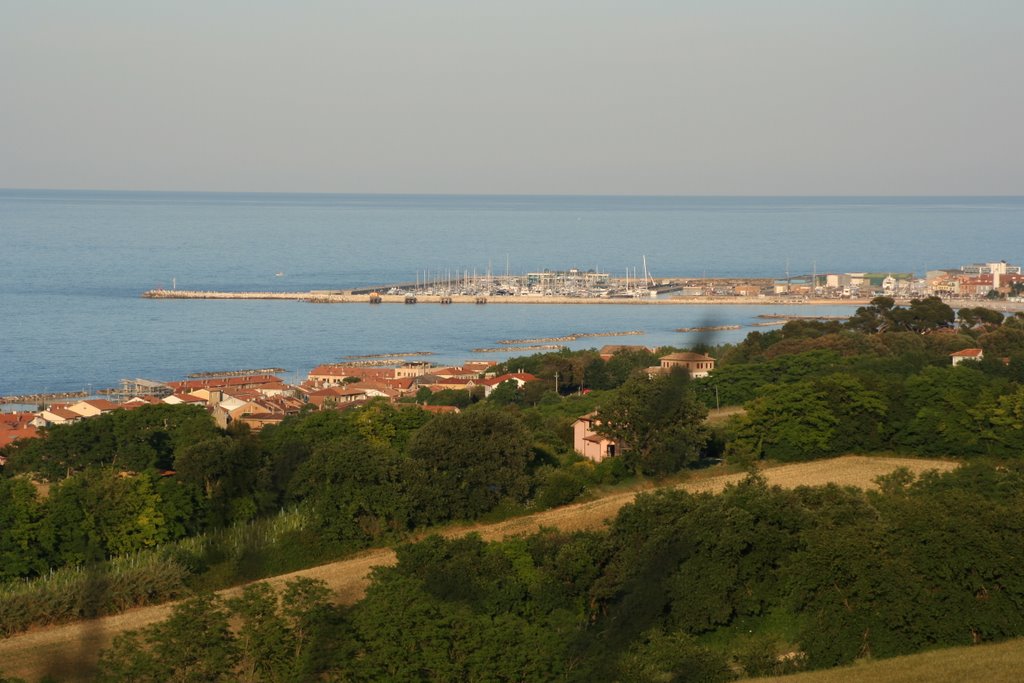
pixel 658 422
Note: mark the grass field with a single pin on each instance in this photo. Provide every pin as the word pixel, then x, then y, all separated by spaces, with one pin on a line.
pixel 998 663
pixel 68 651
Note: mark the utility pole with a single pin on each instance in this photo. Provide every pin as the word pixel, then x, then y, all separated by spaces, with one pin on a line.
pixel 556 381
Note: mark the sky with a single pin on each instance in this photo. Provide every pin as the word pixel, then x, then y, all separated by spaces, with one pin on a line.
pixel 649 97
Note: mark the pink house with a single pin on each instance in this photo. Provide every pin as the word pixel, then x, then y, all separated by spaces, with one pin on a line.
pixel 589 443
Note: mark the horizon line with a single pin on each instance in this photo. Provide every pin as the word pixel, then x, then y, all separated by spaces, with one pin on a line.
pixel 510 194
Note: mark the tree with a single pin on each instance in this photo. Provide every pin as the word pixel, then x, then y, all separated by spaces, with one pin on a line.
pixel 265 642
pixel 461 465
pixel 21 553
pixel 225 470
pixel 923 315
pixel 506 393
pixel 193 644
pixel 658 422
pixel 354 491
pixel 873 318
pixel 979 317
pixel 657 657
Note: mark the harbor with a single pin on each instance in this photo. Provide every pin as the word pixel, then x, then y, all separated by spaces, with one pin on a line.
pixel 348 297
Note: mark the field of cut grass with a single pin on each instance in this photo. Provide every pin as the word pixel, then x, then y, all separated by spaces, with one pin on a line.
pixel 998 663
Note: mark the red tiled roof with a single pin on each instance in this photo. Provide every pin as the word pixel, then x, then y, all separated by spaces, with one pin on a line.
pixel 521 376
pixel 188 398
pixel 440 409
pixel 63 413
pixel 968 353
pixel 222 382
pixel 102 404
pixel 14 426
pixel 686 356
pixel 453 381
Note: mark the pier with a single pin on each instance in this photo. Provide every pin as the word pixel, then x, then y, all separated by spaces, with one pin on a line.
pixel 348 297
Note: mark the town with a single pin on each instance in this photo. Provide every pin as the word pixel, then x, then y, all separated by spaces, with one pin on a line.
pixel 975 281
pixel 259 400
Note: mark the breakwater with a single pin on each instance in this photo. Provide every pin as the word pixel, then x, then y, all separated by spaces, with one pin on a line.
pixel 28 399
pixel 570 337
pixel 346 297
pixel 709 328
pixel 237 373
pixel 531 347
pixel 389 355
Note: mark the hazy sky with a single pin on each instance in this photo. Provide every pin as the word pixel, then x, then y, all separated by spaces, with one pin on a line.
pixel 564 97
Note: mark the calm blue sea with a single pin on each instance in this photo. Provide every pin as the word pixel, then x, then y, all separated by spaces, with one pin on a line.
pixel 72 266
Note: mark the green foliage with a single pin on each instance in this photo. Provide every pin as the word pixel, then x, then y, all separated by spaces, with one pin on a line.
pixel 470 611
pixel 812 419
pixel 354 490
pixel 98 513
pixel 658 422
pixel 460 398
pixel 134 440
pixel 76 592
pixel 20 517
pixel 979 317
pixel 194 644
pixel 756 580
pixel 461 465
pixel 559 486
pixel 657 657
pixel 197 642
pixel 921 316
pixel 933 566
pixel 740 383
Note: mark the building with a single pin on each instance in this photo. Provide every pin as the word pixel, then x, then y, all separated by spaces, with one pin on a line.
pixel 15 426
pixel 93 407
pixel 332 397
pixel 56 414
pixel 588 443
pixel 966 354
pixel 996 270
pixel 520 379
pixel 697 364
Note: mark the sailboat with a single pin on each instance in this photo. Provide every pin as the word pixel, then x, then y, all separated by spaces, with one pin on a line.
pixel 650 289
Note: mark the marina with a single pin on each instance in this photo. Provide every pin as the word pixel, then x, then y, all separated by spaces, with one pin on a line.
pixel 347 297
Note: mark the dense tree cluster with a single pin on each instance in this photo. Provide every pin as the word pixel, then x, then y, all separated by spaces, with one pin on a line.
pixel 815 389
pixel 682 587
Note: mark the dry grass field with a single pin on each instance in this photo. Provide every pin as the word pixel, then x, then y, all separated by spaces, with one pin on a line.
pixel 999 663
pixel 68 651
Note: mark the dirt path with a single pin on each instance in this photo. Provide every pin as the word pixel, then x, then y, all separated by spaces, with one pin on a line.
pixel 67 651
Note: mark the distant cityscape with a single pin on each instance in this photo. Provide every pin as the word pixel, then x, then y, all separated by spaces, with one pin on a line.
pixel 992 280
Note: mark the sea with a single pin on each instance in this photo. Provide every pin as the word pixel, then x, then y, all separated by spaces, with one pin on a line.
pixel 73 265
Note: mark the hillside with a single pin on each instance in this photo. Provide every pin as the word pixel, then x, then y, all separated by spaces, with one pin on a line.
pixel 993 663
pixel 67 651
